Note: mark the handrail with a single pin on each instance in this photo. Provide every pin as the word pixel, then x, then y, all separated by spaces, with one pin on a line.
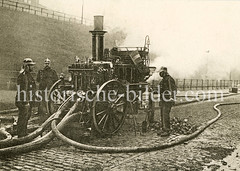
pixel 44 12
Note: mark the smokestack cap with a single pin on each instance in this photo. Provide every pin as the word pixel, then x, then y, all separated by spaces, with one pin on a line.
pixel 98 23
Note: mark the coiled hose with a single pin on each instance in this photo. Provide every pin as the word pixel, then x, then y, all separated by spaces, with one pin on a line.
pixel 38 143
pixel 8 142
pixel 177 141
pixel 70 116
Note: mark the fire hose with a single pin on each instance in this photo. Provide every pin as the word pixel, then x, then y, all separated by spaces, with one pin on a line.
pixel 5 134
pixel 177 141
pixel 70 116
pixel 8 142
pixel 33 145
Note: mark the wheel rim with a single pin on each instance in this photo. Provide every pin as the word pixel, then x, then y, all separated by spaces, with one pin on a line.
pixel 109 114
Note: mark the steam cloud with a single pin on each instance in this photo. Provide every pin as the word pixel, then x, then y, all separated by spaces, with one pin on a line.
pixel 191 38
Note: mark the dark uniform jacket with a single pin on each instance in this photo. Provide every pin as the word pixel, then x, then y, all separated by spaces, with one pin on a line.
pixel 46 78
pixel 26 89
pixel 167 84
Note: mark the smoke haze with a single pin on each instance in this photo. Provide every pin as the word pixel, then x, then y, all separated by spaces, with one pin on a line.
pixel 192 38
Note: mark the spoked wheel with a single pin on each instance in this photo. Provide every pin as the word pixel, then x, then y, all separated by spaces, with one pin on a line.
pixel 56 97
pixel 109 107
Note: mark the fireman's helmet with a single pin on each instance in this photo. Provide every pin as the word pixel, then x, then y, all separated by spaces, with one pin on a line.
pixel 163 69
pixel 28 61
pixel 47 61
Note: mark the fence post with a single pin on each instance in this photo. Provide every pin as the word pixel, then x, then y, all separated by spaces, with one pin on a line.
pixel 197 84
pixel 53 15
pixel 212 84
pixel 41 11
pixel 191 84
pixel 202 84
pixel 64 16
pixel 16 5
pixel 2 3
pixel 29 8
pixel 224 84
pixel 176 82
pixel 183 84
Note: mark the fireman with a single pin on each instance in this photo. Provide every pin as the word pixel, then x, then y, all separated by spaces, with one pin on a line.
pixel 168 92
pixel 26 88
pixel 46 77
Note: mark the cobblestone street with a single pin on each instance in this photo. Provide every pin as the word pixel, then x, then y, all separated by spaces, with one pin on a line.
pixel 107 85
pixel 207 151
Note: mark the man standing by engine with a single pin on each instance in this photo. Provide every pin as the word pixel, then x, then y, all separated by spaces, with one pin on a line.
pixel 168 91
pixel 46 77
pixel 25 100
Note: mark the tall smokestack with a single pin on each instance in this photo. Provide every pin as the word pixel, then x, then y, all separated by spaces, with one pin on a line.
pixel 98 39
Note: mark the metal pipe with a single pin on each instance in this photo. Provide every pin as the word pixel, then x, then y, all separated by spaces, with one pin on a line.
pixel 100 46
pixel 98 39
pixel 94 46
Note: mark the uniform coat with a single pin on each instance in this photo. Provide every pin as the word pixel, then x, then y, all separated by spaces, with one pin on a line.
pixel 25 100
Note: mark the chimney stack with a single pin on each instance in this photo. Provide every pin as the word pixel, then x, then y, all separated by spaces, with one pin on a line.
pixel 98 39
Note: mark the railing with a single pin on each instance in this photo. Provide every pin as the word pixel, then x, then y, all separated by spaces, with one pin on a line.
pixel 8 80
pixel 200 84
pixel 44 12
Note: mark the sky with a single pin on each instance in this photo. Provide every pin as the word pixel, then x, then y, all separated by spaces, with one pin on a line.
pixel 184 34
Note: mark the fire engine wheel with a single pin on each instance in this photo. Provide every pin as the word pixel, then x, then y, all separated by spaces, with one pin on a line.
pixel 109 106
pixel 55 98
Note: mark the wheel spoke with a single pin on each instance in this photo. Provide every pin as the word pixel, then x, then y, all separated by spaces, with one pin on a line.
pixel 112 125
pixel 120 104
pixel 99 113
pixel 105 122
pixel 116 118
pixel 119 97
pixel 102 119
pixel 108 116
pixel 119 114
